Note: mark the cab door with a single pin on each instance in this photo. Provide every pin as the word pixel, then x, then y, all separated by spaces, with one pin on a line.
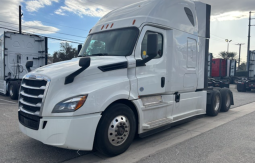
pixel 151 77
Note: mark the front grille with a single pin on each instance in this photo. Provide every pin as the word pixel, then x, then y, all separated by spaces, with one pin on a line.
pixel 32 83
pixel 32 93
pixel 29 121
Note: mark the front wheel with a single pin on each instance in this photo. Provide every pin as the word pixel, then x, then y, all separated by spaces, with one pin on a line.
pixel 116 130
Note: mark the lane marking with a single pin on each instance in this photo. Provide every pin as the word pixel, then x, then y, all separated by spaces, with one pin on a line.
pixel 6 115
pixel 7 104
pixel 9 101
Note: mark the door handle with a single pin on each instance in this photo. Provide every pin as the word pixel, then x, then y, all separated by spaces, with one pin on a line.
pixel 162 82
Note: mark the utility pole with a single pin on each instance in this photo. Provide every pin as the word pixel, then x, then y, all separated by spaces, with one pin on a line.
pixel 249 39
pixel 20 15
pixel 240 46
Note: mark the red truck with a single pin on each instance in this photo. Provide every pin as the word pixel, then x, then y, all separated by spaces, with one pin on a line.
pixel 220 72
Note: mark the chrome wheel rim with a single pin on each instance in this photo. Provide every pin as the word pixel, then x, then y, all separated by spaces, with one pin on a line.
pixel 118 130
pixel 228 100
pixel 217 104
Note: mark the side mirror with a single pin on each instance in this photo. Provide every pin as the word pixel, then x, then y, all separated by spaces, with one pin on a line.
pixel 152 49
pixel 79 49
pixel 84 62
pixel 152 46
pixel 29 64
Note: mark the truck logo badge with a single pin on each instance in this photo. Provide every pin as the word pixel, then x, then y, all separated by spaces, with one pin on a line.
pixel 141 89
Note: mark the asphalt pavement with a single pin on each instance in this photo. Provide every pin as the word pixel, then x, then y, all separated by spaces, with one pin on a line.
pixel 17 147
pixel 233 142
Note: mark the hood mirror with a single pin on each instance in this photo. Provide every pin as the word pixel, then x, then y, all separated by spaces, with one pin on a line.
pixel 29 64
pixel 84 62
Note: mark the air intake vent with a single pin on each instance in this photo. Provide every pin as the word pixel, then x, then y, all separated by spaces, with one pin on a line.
pixel 112 67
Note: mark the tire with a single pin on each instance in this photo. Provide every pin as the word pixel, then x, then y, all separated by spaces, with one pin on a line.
pixel 7 89
pixel 226 100
pixel 110 139
pixel 241 88
pixel 248 89
pixel 13 90
pixel 214 107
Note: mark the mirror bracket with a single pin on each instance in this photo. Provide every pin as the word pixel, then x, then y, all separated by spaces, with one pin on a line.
pixel 84 63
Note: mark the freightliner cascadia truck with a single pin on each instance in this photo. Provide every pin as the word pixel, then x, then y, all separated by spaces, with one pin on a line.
pixel 15 50
pixel 141 70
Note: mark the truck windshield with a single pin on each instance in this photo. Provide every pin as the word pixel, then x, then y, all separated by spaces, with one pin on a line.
pixel 119 42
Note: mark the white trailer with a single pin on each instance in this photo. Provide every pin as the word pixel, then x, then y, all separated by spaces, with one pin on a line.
pixel 15 50
pixel 142 69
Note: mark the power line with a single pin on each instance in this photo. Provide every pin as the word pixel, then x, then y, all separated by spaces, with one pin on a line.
pixel 58 24
pixel 55 38
pixel 44 30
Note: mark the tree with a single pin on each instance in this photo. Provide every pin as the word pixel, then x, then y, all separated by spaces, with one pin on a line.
pixel 228 55
pixel 242 67
pixel 66 52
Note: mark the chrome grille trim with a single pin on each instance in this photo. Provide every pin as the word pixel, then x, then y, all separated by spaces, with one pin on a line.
pixel 29 87
pixel 29 104
pixel 30 97
pixel 28 112
pixel 27 95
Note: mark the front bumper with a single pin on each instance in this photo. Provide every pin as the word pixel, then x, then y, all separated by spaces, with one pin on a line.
pixel 75 133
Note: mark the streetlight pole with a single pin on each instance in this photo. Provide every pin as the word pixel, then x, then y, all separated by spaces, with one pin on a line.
pixel 240 46
pixel 228 41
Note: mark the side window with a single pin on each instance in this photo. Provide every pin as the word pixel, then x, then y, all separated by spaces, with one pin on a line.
pixel 144 45
pixel 190 15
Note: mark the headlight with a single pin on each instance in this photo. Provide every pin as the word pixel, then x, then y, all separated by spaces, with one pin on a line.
pixel 70 105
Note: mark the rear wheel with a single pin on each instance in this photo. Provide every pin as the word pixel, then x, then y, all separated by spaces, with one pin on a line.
pixel 241 88
pixel 248 89
pixel 214 107
pixel 226 100
pixel 13 90
pixel 116 130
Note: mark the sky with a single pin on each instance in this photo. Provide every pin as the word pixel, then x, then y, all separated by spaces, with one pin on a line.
pixel 72 19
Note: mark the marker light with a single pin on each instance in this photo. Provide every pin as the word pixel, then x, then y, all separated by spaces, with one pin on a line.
pixel 70 105
pixel 107 26
pixel 134 22
pixel 102 27
pixel 90 30
pixel 112 25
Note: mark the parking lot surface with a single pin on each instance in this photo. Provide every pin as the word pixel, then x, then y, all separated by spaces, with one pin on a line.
pixel 232 142
pixel 17 147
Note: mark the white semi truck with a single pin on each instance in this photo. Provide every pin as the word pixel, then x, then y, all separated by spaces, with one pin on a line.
pixel 141 70
pixel 15 50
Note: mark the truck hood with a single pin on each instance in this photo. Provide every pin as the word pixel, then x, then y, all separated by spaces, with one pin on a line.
pixel 65 68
